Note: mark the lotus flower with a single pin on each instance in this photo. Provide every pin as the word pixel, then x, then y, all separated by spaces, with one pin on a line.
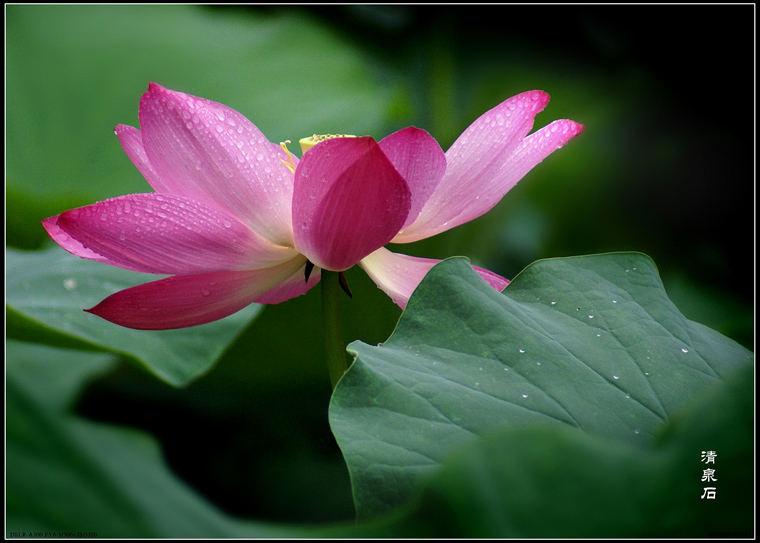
pixel 235 219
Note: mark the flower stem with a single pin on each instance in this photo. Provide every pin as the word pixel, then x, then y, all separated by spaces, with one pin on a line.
pixel 335 350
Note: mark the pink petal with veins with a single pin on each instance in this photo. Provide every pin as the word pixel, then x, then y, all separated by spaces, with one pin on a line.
pixel 190 300
pixel 529 153
pixel 131 141
pixel 209 152
pixel 295 285
pixel 67 242
pixel 420 161
pixel 348 201
pixel 398 275
pixel 164 234
pixel 473 161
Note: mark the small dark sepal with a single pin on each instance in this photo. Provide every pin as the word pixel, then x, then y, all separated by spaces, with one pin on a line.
pixel 309 269
pixel 344 284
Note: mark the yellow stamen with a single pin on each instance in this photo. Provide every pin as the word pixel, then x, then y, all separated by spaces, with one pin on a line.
pixel 288 163
pixel 311 141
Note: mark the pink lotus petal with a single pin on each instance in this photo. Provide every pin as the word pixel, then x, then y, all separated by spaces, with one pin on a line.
pixel 398 275
pixel 420 161
pixel 473 161
pixel 530 153
pixel 294 286
pixel 164 234
pixel 209 152
pixel 348 201
pixel 67 242
pixel 131 141
pixel 190 300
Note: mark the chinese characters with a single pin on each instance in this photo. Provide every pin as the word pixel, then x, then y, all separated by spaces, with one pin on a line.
pixel 708 475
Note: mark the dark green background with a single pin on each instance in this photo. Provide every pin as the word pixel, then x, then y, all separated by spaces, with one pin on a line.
pixel 665 167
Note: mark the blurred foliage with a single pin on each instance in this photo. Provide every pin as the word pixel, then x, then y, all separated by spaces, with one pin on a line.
pixel 664 167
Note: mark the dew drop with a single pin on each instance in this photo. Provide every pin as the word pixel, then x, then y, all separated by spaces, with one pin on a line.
pixel 524 395
pixel 226 223
pixel 590 316
pixel 614 301
pixel 521 351
pixel 616 377
pixel 70 283
pixel 205 292
pixel 684 350
pixel 553 302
